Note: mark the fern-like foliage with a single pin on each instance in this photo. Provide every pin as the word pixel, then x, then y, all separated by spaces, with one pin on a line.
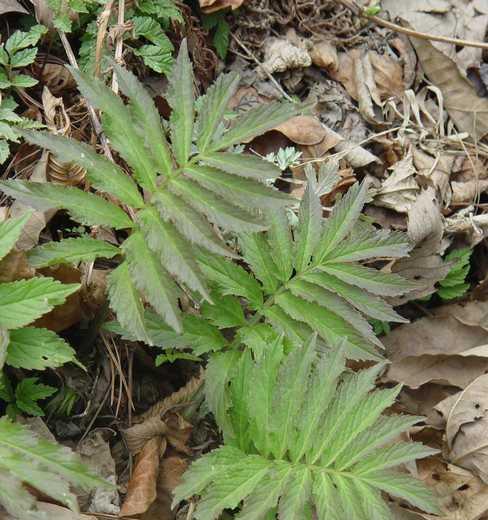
pixel 45 466
pixel 21 303
pixel 192 186
pixel 454 284
pixel 301 279
pixel 304 435
pixel 309 277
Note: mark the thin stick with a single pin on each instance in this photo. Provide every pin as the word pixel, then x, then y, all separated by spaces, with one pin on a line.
pixel 102 29
pixel 261 66
pixel 93 115
pixel 119 45
pixel 410 32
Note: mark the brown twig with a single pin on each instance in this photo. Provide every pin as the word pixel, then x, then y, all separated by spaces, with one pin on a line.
pixel 119 45
pixel 93 115
pixel 411 32
pixel 102 30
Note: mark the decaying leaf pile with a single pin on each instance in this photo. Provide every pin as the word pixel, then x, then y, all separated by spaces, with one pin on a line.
pixel 243 262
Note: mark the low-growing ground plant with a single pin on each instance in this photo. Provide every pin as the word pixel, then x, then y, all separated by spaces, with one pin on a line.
pixel 197 217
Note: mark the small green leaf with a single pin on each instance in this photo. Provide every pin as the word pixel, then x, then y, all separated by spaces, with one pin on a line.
pixel 71 251
pixel 244 165
pixel 23 81
pixel 24 301
pixel 36 349
pixel 22 59
pixel 221 38
pixel 226 311
pixel 256 121
pixel 126 303
pixel 86 208
pixel 103 174
pixel 180 97
pixel 152 279
pixel 214 104
pixel 28 392
pixel 10 231
pixel 20 39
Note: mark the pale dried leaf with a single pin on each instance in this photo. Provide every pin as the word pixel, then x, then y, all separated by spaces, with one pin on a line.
pixel 281 55
pixel 465 107
pixel 440 348
pixel 210 6
pixel 466 416
pixel 12 6
pixel 400 189
pixel 324 55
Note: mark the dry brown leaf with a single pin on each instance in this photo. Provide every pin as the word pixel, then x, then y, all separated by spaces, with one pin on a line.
pixel 15 266
pixel 182 396
pixel 12 6
pixel 466 416
pixel 388 75
pixel 442 348
pixel 141 492
pixel 303 130
pixel 461 495
pixel 425 264
pixel 69 313
pixel 400 188
pixel 170 473
pixel 437 170
pixel 467 110
pixel 324 55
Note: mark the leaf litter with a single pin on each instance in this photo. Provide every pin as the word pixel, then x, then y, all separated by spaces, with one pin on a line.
pixel 406 113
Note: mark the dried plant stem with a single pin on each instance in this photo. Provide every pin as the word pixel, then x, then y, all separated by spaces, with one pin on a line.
pixel 410 32
pixel 103 20
pixel 119 45
pixel 91 111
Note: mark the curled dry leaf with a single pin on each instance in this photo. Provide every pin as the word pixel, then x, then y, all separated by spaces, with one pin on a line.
pixel 448 347
pixel 142 489
pixel 182 396
pixel 324 55
pixel 280 55
pixel 466 419
pixel 400 188
pixel 465 107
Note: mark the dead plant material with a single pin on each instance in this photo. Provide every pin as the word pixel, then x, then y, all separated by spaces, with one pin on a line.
pixel 466 108
pixel 142 486
pixel 58 122
pixel 182 396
